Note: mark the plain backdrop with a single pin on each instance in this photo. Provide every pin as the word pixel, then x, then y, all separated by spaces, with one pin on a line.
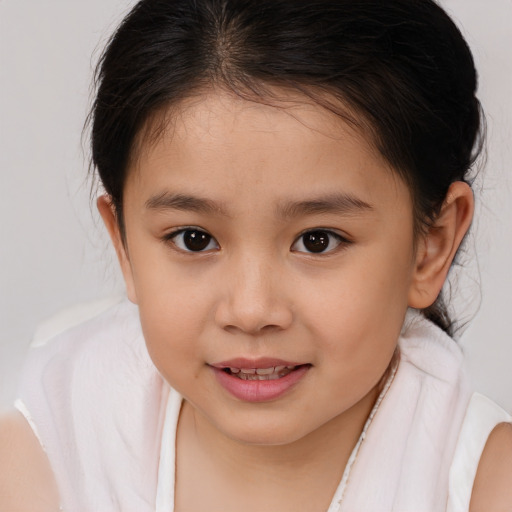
pixel 53 250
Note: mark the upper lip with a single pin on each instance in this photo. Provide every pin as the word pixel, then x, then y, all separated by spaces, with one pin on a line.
pixel 262 362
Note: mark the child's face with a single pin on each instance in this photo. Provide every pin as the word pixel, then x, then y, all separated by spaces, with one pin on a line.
pixel 296 247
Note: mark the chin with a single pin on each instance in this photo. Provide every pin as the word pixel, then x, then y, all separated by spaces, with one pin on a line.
pixel 264 433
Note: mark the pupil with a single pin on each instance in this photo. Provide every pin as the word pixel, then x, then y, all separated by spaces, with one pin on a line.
pixel 196 240
pixel 316 241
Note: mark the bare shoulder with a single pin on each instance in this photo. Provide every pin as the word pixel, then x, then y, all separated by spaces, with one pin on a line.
pixel 26 479
pixel 492 490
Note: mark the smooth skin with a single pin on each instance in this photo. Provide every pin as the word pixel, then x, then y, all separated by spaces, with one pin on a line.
pixel 26 480
pixel 253 180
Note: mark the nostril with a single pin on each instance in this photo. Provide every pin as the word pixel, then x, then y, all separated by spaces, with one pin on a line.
pixel 271 328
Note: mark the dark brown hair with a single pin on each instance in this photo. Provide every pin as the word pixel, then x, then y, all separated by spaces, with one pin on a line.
pixel 401 65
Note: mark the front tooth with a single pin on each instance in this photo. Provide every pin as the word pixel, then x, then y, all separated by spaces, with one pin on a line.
pixel 265 371
pixel 248 371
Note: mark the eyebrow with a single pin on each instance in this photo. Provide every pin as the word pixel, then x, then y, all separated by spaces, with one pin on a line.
pixel 170 201
pixel 342 204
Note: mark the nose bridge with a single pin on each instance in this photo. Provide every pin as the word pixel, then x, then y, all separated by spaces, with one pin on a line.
pixel 254 299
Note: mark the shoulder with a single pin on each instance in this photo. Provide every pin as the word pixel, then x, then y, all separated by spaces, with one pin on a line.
pixel 86 385
pixel 26 479
pixel 492 489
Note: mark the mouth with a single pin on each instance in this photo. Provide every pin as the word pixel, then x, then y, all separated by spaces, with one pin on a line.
pixel 259 380
pixel 270 373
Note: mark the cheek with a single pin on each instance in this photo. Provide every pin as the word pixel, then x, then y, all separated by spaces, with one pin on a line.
pixel 174 306
pixel 363 294
pixel 357 315
pixel 171 326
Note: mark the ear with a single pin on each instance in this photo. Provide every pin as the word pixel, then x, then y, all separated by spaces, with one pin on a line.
pixel 437 247
pixel 109 216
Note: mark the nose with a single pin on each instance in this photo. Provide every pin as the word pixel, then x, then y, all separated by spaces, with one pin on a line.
pixel 253 298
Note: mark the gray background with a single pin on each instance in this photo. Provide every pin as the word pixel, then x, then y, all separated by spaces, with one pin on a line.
pixel 53 250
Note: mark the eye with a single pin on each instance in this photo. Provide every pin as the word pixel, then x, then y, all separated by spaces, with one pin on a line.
pixel 318 241
pixel 193 240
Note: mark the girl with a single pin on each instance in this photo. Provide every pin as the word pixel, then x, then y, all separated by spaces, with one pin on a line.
pixel 286 186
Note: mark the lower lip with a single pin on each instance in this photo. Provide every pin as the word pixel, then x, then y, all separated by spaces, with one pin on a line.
pixel 259 390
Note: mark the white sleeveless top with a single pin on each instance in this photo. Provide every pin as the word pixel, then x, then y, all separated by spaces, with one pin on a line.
pixel 107 421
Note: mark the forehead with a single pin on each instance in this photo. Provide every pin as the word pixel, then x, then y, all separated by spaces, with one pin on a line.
pixel 219 143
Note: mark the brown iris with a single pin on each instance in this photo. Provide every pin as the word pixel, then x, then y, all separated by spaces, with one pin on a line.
pixel 316 241
pixel 195 240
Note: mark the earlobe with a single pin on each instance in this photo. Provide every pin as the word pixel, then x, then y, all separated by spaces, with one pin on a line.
pixel 109 216
pixel 438 246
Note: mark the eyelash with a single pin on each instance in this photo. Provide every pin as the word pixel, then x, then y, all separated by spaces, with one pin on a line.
pixel 205 241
